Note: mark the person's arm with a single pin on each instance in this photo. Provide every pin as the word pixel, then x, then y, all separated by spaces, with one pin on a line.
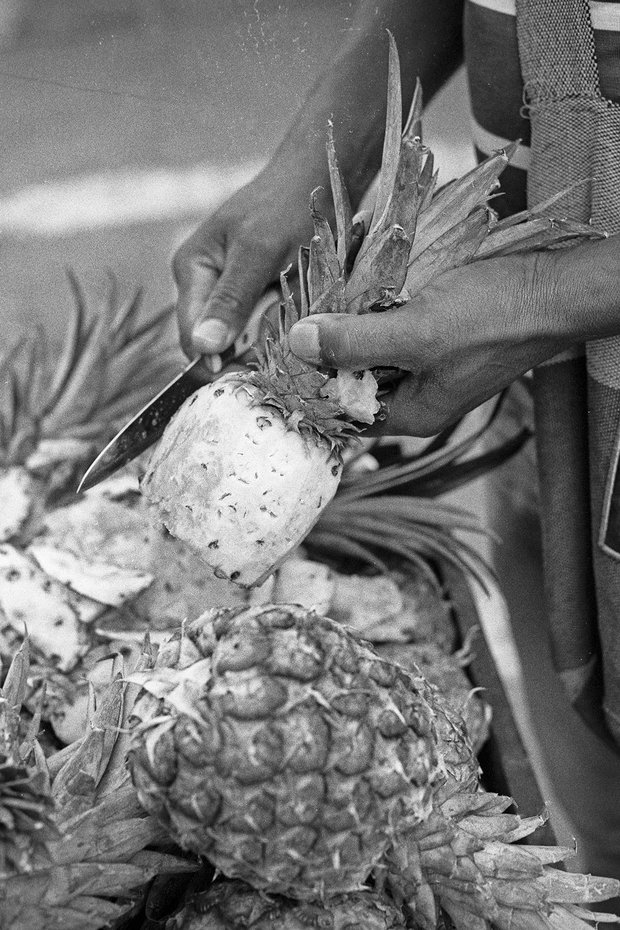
pixel 473 331
pixel 224 267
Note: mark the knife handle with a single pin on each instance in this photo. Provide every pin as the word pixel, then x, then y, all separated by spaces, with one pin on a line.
pixel 248 335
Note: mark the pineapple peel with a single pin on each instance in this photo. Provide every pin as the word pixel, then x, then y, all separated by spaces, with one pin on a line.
pixel 311 764
pixel 54 615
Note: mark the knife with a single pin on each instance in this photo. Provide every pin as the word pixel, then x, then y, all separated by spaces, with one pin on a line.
pixel 146 427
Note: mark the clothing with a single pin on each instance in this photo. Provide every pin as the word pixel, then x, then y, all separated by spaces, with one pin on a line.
pixel 496 85
pixel 536 77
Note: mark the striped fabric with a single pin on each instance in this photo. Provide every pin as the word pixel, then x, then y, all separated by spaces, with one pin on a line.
pixel 496 86
pixel 548 72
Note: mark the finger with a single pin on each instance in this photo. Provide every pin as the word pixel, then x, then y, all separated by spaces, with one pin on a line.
pixel 196 268
pixel 413 410
pixel 243 281
pixel 218 319
pixel 340 340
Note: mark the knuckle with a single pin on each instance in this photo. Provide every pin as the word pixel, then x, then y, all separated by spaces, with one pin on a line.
pixel 180 264
pixel 229 304
pixel 199 251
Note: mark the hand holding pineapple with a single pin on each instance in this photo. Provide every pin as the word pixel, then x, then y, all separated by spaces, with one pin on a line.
pixel 472 331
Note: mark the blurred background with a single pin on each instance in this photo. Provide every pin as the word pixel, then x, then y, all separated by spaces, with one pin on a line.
pixel 126 121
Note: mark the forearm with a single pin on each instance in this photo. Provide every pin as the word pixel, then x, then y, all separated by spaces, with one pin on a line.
pixel 352 94
pixel 579 291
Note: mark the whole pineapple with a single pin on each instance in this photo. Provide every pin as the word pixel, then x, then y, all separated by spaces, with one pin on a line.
pixel 248 463
pixel 74 841
pixel 274 742
pixel 25 803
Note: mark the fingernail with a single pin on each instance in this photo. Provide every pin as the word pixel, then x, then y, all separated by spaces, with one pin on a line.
pixel 304 340
pixel 212 336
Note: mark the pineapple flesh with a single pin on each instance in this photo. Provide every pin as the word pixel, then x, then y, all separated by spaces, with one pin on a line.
pixel 275 743
pixel 208 502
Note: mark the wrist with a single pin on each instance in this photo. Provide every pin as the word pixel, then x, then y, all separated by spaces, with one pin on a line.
pixel 577 290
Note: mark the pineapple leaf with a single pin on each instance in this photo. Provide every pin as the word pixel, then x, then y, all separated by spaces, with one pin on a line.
pixel 414 509
pixel 414 467
pixel 71 347
pixel 342 204
pixel 412 129
pixel 454 476
pixel 335 543
pixel 288 310
pixel 303 265
pixel 153 324
pixel 454 202
pixel 323 231
pixel 457 246
pixel 537 233
pixel 391 139
pixel 125 315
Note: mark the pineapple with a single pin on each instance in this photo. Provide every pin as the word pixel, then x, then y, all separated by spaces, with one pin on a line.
pixel 275 743
pixel 225 473
pixel 74 840
pixel 56 412
pixel 25 803
pixel 446 672
pixel 233 905
pixel 248 463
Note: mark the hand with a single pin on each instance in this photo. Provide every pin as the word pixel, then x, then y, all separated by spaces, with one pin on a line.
pixel 464 338
pixel 224 267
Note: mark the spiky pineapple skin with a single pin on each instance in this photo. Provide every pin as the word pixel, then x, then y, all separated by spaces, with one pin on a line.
pixel 76 849
pixel 233 905
pixel 236 482
pixel 293 757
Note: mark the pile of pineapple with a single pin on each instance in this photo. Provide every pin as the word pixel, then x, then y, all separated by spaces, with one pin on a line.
pixel 159 724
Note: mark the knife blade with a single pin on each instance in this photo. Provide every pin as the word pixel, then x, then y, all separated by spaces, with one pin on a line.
pixel 146 427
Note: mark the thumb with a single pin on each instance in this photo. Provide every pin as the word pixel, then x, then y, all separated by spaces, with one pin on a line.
pixel 342 340
pixel 213 307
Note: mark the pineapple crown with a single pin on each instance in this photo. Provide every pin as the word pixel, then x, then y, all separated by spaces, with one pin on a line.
pixel 381 257
pixel 54 409
pixel 389 515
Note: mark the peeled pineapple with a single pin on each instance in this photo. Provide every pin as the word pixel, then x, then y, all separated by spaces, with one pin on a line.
pixel 225 473
pixel 278 745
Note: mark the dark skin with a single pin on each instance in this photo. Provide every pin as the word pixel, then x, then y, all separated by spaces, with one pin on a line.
pixel 468 334
pixel 227 263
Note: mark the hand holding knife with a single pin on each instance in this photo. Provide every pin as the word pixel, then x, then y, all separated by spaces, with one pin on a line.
pixel 146 427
